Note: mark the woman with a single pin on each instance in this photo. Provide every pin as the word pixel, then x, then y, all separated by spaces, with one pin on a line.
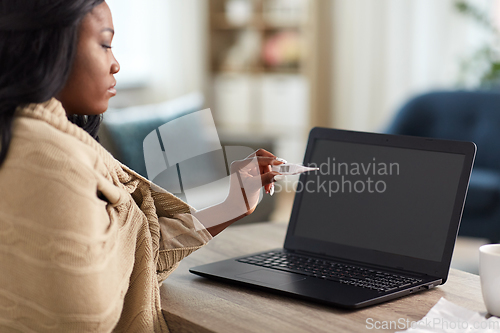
pixel 84 241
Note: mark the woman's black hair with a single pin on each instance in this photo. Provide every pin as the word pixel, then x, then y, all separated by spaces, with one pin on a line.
pixel 38 40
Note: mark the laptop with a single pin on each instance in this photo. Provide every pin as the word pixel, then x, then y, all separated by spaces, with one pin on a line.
pixel 377 221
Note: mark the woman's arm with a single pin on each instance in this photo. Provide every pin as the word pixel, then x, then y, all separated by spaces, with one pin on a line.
pixel 247 178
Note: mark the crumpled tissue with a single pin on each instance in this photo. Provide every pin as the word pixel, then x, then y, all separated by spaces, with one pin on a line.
pixel 446 317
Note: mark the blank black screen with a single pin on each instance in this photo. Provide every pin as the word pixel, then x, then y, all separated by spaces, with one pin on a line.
pixel 387 199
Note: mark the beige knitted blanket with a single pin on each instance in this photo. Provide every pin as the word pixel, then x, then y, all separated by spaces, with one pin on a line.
pixel 84 241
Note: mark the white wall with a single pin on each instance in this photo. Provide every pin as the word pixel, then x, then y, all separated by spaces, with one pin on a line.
pixel 386 51
pixel 161 49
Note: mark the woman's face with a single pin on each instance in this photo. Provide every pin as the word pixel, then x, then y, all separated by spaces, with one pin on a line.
pixel 91 82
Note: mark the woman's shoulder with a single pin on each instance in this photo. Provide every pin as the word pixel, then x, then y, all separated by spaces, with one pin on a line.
pixel 35 139
pixel 45 128
pixel 61 151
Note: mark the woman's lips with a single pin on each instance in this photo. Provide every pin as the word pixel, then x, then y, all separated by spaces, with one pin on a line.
pixel 112 89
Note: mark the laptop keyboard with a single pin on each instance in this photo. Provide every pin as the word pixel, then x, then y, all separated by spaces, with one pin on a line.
pixel 330 270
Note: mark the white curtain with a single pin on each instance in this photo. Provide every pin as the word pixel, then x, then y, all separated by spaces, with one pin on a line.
pixel 386 51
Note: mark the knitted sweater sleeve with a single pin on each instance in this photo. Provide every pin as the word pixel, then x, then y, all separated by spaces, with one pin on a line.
pixel 175 232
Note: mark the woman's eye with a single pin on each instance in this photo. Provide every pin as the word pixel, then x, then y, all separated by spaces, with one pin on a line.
pixel 106 46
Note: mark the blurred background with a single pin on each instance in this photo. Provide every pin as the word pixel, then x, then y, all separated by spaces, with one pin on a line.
pixel 270 70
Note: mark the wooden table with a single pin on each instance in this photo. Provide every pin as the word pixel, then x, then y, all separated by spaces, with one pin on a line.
pixel 194 304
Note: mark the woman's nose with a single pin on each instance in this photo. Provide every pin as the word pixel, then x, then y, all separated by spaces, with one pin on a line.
pixel 115 66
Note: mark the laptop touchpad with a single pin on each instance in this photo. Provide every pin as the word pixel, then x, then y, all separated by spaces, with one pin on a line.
pixel 271 278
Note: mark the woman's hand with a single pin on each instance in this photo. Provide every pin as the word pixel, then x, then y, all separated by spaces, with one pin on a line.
pixel 247 178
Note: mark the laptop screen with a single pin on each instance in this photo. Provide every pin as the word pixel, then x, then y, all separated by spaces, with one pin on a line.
pixel 378 199
pixel 381 198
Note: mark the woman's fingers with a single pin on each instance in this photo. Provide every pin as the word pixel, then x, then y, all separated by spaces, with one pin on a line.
pixel 261 152
pixel 268 178
pixel 268 187
pixel 263 161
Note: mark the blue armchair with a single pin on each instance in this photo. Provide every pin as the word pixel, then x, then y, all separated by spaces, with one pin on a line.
pixel 467 116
